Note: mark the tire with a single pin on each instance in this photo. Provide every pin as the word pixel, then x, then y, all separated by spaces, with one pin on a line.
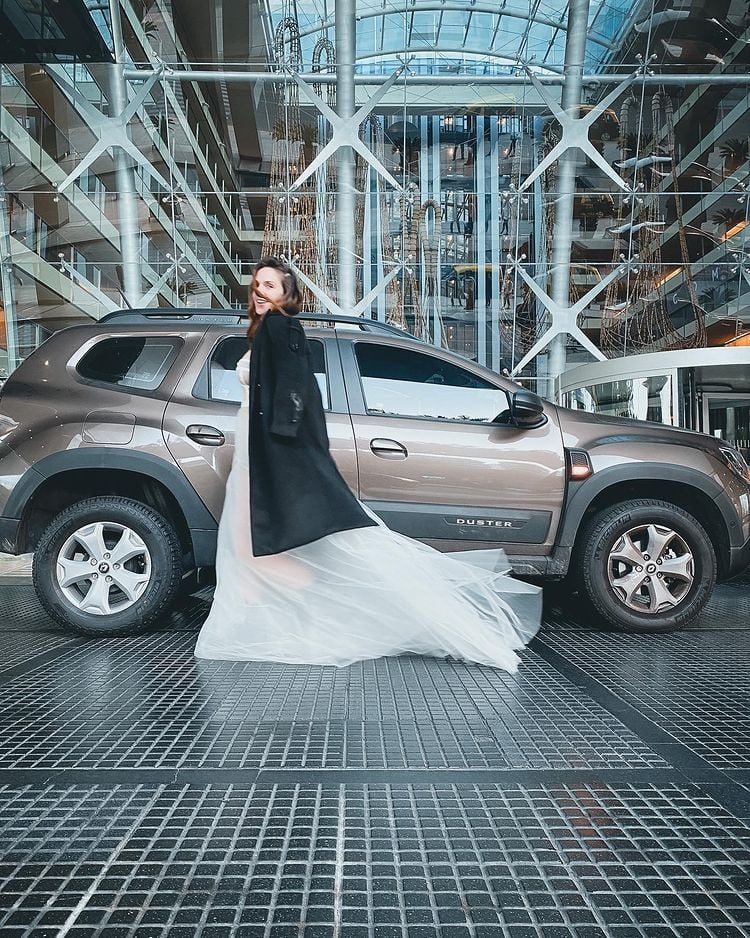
pixel 623 592
pixel 68 566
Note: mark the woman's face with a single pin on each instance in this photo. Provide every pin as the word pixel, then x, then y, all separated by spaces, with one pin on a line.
pixel 269 283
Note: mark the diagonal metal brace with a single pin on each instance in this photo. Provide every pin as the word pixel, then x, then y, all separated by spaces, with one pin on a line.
pixel 110 132
pixel 564 318
pixel 333 307
pixel 346 130
pixel 575 131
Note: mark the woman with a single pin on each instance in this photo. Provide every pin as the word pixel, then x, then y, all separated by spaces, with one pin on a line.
pixel 305 573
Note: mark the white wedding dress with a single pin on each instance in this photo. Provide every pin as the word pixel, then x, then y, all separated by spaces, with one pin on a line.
pixel 357 594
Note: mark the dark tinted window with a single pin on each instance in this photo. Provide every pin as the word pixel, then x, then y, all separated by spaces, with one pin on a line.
pixel 411 383
pixel 220 383
pixel 137 362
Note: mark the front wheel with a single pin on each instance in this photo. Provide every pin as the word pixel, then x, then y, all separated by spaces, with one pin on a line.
pixel 646 566
pixel 108 566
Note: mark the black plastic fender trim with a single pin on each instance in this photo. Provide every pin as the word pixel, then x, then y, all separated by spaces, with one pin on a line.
pixel 198 518
pixel 583 493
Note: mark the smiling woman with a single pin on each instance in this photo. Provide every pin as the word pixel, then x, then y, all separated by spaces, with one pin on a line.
pixel 305 573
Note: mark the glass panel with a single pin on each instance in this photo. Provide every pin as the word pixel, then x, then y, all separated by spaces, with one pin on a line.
pixel 224 385
pixel 203 179
pixel 134 362
pixel 729 419
pixel 638 398
pixel 412 384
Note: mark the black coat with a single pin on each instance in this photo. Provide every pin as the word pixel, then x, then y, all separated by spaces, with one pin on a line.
pixel 297 493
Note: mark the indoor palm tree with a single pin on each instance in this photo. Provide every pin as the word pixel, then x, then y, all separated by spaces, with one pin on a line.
pixel 734 152
pixel 727 218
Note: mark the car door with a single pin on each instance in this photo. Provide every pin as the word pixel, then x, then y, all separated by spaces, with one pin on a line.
pixel 199 422
pixel 434 465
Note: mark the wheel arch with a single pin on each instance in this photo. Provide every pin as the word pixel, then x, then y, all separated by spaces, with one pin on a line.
pixel 61 479
pixel 688 489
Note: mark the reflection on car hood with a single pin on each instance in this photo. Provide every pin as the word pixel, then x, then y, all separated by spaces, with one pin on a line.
pixel 605 429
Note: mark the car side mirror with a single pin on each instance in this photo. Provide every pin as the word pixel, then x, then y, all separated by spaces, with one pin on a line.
pixel 527 410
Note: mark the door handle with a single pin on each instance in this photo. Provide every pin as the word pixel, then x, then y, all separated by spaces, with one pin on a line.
pixel 388 449
pixel 206 436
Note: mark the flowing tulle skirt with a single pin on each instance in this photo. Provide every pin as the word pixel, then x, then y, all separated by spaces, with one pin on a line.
pixel 359 594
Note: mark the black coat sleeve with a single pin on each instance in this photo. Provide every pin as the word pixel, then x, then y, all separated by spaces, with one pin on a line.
pixel 289 349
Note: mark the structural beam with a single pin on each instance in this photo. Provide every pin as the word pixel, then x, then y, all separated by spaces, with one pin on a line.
pixel 124 172
pixel 590 81
pixel 346 56
pixel 565 182
pixel 6 282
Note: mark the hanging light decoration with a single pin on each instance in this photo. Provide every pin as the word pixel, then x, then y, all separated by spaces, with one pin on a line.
pixel 365 177
pixel 636 317
pixel 289 226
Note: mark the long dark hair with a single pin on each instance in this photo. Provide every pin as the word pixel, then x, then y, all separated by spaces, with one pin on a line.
pixel 291 302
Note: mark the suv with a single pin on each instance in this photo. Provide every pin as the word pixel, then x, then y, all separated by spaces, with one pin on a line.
pixel 116 440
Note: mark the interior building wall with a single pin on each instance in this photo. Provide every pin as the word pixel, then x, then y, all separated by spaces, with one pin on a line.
pixel 126 181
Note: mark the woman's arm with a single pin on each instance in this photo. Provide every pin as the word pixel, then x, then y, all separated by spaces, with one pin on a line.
pixel 288 345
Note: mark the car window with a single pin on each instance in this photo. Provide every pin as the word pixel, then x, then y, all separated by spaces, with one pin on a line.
pixel 223 384
pixel 137 362
pixel 412 383
pixel 220 381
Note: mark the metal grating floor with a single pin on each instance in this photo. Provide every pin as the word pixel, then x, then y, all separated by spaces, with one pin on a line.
pixel 146 703
pixel 602 792
pixel 695 685
pixel 19 647
pixel 387 860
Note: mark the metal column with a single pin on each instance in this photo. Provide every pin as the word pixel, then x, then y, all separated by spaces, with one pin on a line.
pixel 346 51
pixel 6 280
pixel 575 50
pixel 480 240
pixel 540 262
pixel 126 191
pixel 435 190
pixel 496 247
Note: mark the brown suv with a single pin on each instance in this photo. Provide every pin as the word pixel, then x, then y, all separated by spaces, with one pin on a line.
pixel 116 440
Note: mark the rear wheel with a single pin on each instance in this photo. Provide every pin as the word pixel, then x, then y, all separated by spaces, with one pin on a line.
pixel 646 566
pixel 108 566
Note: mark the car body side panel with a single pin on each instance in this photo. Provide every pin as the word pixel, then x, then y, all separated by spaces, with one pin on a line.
pixel 45 406
pixel 629 442
pixel 651 452
pixel 201 525
pixel 497 474
pixel 12 469
pixel 206 467
pixel 729 503
pixel 461 485
pixel 38 424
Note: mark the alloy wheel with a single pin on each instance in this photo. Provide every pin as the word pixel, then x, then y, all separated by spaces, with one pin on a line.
pixel 103 568
pixel 651 568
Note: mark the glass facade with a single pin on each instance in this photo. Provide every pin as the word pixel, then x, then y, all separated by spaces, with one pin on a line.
pixel 535 185
pixel 641 398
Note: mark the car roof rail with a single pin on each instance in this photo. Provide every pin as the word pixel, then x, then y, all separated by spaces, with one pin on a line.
pixel 223 317
pixel 127 317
